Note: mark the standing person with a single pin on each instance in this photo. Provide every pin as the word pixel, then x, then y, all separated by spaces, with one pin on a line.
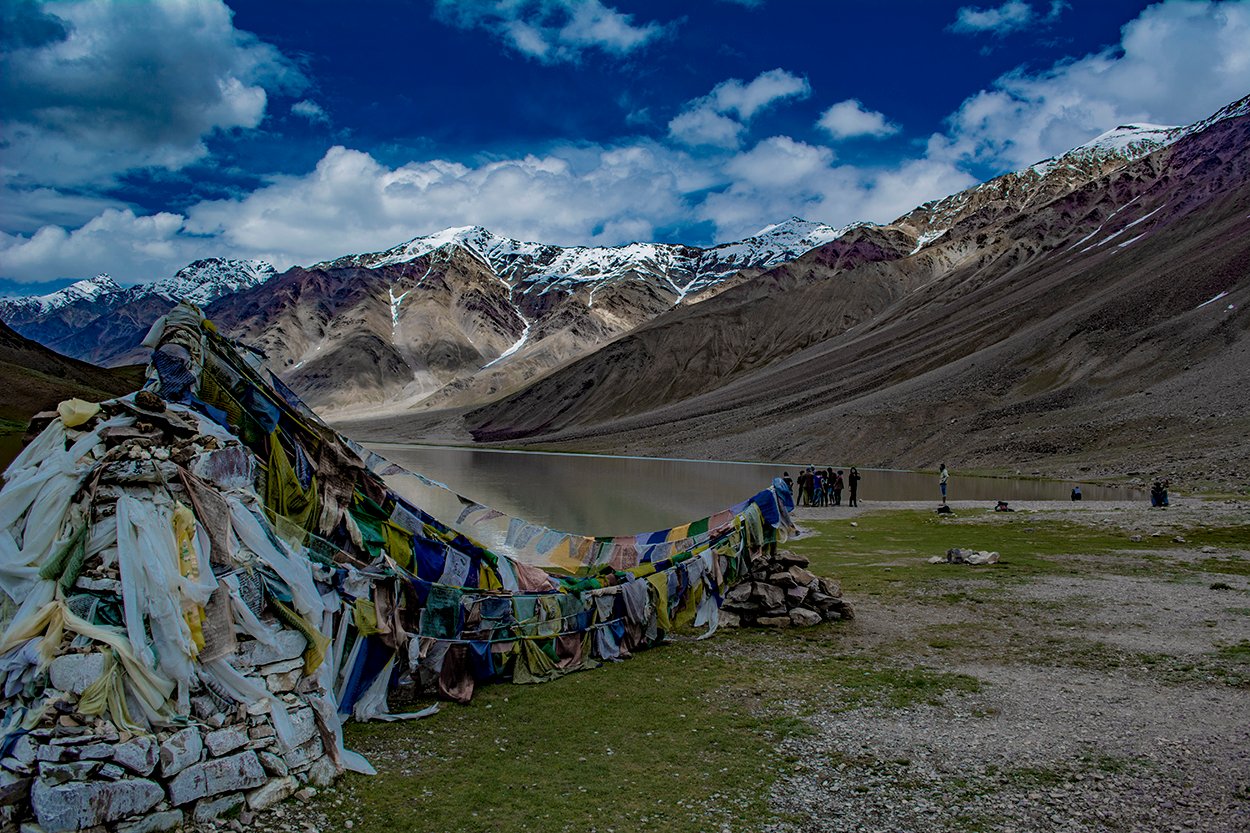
pixel 801 498
pixel 785 478
pixel 818 487
pixel 838 485
pixel 943 476
pixel 853 481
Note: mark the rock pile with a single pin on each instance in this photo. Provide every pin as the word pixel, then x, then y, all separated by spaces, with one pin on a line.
pixel 958 555
pixel 781 592
pixel 90 752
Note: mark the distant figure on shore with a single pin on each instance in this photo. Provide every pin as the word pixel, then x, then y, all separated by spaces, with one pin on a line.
pixel 818 488
pixel 943 476
pixel 785 478
pixel 838 485
pixel 1076 492
pixel 853 481
pixel 804 487
pixel 829 484
pixel 1159 493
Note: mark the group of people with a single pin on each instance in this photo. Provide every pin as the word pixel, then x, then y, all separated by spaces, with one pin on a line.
pixel 823 487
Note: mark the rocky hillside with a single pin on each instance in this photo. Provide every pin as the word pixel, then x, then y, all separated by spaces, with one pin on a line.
pixel 35 378
pixel 1107 323
pixel 464 316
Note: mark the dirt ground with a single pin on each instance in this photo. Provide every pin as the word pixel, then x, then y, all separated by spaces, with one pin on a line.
pixel 1112 699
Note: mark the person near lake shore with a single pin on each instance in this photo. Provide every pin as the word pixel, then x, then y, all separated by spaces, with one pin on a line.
pixel 852 480
pixel 818 488
pixel 943 476
pixel 800 499
pixel 1076 492
pixel 785 478
pixel 838 485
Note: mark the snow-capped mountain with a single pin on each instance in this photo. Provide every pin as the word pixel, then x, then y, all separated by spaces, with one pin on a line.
pixel 100 321
pixel 204 281
pixel 84 291
pixel 540 267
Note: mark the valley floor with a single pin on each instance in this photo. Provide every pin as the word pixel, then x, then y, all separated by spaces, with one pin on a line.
pixel 1087 682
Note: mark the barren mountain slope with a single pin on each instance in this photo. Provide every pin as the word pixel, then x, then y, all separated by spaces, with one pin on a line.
pixel 1067 333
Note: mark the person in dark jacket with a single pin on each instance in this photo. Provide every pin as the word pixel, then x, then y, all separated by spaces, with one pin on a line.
pixel 852 480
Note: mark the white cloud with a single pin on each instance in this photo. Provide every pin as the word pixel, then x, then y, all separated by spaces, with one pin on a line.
pixel 709 119
pixel 114 86
pixel 1176 63
pixel 849 118
pixel 1000 20
pixel 311 110
pixel 552 31
pixel 781 176
pixel 129 247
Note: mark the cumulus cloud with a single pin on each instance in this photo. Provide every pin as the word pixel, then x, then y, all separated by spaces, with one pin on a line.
pixel 1176 63
pixel 311 110
pixel 781 176
pixel 131 248
pixel 850 118
pixel 552 31
pixel 1000 20
pixel 94 89
pixel 719 118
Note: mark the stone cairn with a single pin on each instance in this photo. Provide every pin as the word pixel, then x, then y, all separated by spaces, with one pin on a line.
pixel 219 758
pixel 781 592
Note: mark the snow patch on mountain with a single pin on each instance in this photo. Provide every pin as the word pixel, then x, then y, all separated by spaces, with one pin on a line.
pixel 204 281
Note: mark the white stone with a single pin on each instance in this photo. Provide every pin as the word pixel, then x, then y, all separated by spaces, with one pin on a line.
pixel 95 751
pixel 273 764
pixel 285 681
pixel 139 754
pixel 283 667
pixel 323 772
pixel 278 789
pixel 100 585
pixel 83 804
pixel 211 809
pixel 237 772
pixel 304 723
pixel 287 645
pixel 74 672
pixel 802 618
pixel 304 753
pixel 155 823
pixel 25 749
pixel 225 740
pixel 180 751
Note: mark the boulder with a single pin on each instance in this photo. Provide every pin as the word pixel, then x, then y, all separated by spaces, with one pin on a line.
pixel 322 772
pixel 729 619
pixel 180 751
pixel 802 576
pixel 155 823
pixel 288 644
pixel 74 672
pixel 273 764
pixel 277 789
pixel 81 804
pixel 773 621
pixel 210 809
pixel 139 754
pixel 783 580
pixel 225 740
pixel 220 775
pixel 769 596
pixel 789 559
pixel 801 618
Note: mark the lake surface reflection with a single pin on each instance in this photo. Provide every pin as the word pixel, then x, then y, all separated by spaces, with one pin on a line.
pixel 602 495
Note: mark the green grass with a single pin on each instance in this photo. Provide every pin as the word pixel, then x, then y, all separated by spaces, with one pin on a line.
pixel 681 738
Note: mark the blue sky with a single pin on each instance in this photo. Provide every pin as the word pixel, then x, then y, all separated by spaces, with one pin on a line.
pixel 139 136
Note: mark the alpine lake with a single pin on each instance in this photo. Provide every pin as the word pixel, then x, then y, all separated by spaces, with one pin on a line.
pixel 602 495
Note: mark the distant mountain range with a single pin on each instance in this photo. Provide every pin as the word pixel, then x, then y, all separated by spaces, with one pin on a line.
pixel 662 348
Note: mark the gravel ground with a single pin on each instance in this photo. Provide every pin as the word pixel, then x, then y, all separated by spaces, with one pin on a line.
pixel 1155 739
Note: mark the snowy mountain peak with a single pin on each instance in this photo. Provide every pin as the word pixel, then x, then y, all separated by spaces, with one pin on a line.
pixel 87 290
pixel 678 269
pixel 204 281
